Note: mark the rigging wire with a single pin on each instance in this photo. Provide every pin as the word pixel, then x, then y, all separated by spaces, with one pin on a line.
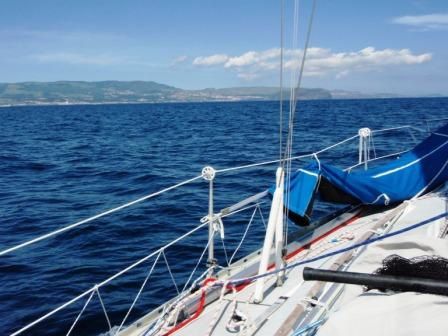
pixel 291 98
pixel 295 90
pixel 294 98
pixel 302 65
pixel 282 22
pixel 281 78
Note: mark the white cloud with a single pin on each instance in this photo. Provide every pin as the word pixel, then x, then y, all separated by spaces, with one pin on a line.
pixel 320 61
pixel 424 22
pixel 252 57
pixel 366 59
pixel 77 59
pixel 211 60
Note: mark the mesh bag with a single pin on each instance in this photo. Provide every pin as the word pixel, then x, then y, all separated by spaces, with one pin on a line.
pixel 426 267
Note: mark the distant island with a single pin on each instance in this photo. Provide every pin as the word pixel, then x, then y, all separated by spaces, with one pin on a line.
pixel 104 92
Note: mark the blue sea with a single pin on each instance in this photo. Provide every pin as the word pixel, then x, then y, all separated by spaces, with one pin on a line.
pixel 61 164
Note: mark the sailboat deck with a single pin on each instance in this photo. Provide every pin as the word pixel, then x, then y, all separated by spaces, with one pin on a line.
pixel 283 306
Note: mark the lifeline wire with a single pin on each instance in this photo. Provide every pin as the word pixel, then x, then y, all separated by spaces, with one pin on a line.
pixel 84 221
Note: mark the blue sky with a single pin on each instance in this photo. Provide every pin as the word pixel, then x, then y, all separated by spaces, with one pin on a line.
pixel 378 46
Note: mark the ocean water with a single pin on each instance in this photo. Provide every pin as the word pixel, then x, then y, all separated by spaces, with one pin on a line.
pixel 60 164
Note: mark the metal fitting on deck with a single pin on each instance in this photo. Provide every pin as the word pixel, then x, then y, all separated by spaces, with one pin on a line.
pixel 208 173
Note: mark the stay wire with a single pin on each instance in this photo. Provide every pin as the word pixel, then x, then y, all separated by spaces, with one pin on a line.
pixel 281 77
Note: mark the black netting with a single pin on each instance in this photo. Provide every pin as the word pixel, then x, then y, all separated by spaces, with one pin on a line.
pixel 429 267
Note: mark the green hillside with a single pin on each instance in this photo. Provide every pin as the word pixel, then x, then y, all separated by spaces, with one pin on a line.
pixel 77 92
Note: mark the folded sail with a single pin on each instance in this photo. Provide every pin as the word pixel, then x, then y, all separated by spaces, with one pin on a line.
pixel 415 173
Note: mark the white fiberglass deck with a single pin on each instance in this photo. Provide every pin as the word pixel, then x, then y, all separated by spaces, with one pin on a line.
pixel 297 303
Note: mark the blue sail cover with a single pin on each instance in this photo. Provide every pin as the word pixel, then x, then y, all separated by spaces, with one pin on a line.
pixel 413 174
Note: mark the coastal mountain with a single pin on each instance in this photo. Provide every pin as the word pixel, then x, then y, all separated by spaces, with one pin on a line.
pixel 78 92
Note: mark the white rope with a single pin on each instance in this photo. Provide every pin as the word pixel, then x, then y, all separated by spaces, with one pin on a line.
pixel 139 293
pixel 171 318
pixel 315 302
pixel 80 313
pixel 104 308
pixel 177 311
pixel 239 324
pixel 169 271
pixel 244 236
pixel 168 311
pixel 214 320
pixel 156 325
pixel 72 226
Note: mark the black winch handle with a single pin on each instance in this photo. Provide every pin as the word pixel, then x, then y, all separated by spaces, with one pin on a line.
pixel 377 281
